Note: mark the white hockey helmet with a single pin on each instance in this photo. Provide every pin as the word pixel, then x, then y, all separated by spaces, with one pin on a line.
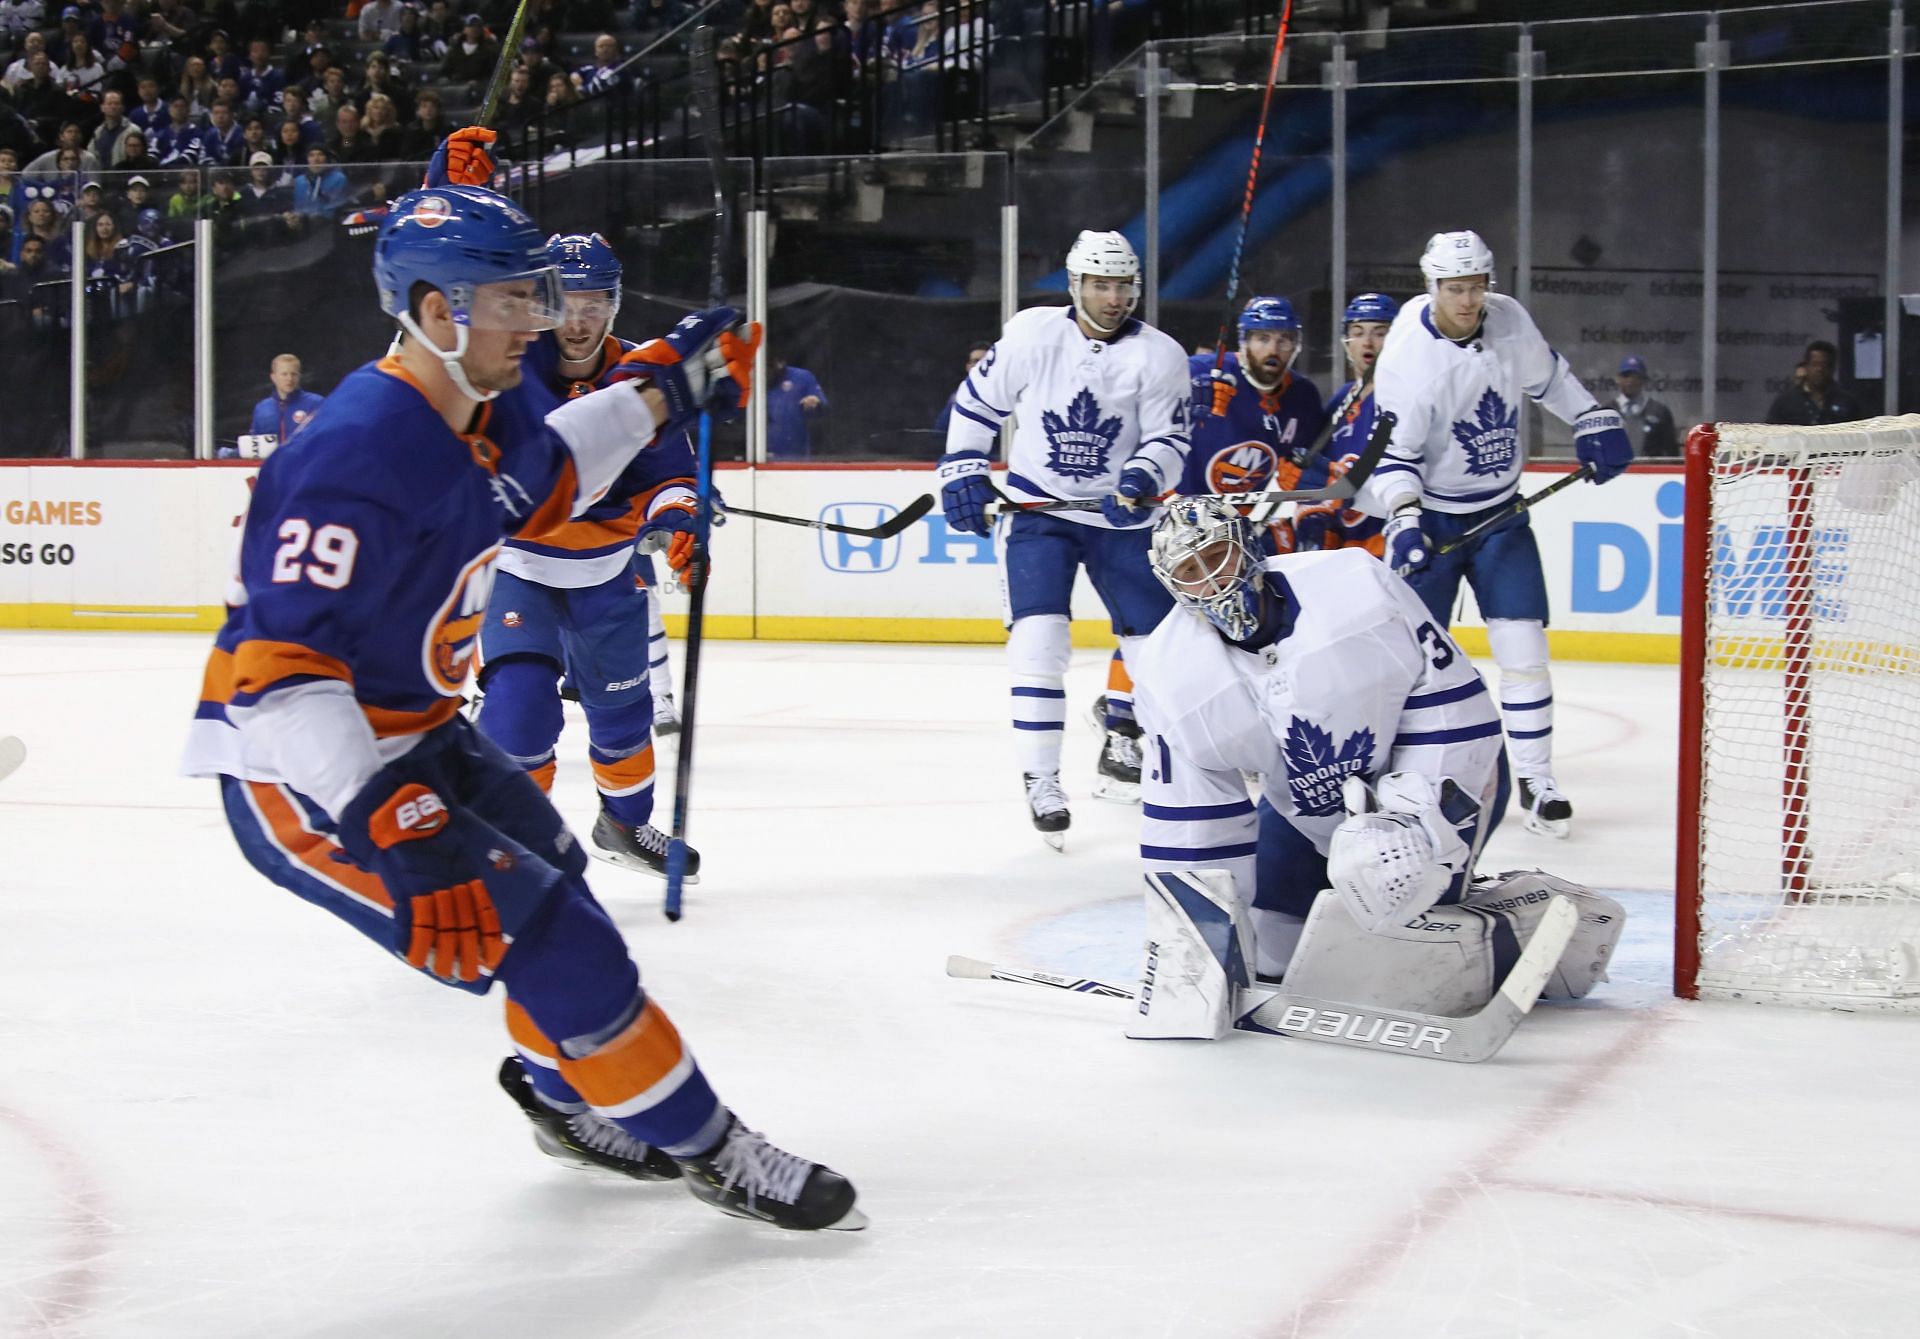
pixel 1455 255
pixel 1206 554
pixel 1108 255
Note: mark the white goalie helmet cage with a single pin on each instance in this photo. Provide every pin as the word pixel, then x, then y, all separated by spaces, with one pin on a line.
pixel 1455 255
pixel 1108 255
pixel 1205 553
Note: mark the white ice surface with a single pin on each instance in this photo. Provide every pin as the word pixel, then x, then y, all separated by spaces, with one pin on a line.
pixel 223 1114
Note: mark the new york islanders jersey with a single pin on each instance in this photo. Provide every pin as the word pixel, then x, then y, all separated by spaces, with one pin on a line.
pixel 1334 525
pixel 1456 445
pixel 1240 451
pixel 1083 409
pixel 365 562
pixel 597 545
pixel 1361 682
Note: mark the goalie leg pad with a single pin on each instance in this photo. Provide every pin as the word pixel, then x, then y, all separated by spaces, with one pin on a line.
pixel 1448 960
pixel 1522 897
pixel 1199 943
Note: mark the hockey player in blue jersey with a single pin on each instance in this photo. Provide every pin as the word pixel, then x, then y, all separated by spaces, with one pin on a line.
pixel 572 602
pixel 1336 525
pixel 1455 366
pixel 1254 418
pixel 1102 414
pixel 328 708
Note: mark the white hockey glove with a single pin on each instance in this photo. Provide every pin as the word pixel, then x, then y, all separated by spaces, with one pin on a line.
pixel 1392 864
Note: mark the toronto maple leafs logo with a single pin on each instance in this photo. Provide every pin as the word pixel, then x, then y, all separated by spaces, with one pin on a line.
pixel 1315 770
pixel 1492 438
pixel 1080 443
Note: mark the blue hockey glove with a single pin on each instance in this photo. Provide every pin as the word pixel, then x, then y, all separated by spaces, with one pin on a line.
pixel 1406 541
pixel 675 531
pixel 1602 443
pixel 965 493
pixel 701 364
pixel 1131 502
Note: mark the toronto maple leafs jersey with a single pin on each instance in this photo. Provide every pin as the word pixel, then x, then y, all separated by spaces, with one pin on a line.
pixel 597 545
pixel 1360 682
pixel 1456 445
pixel 366 558
pixel 1083 409
pixel 1239 451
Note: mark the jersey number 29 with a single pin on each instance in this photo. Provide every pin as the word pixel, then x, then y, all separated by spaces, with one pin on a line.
pixel 333 550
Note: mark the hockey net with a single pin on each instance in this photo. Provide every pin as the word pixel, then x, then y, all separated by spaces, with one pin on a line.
pixel 1799 819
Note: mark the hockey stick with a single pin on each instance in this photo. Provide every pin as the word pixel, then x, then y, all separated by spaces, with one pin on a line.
pixel 706 111
pixel 12 754
pixel 1518 507
pixel 503 68
pixel 1346 486
pixel 1275 1012
pixel 1253 178
pixel 887 529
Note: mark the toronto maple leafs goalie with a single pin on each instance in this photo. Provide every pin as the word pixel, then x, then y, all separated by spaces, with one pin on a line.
pixel 1099 403
pixel 1457 368
pixel 1380 771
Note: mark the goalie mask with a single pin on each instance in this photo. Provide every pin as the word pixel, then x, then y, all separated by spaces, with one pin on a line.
pixel 1103 255
pixel 1204 552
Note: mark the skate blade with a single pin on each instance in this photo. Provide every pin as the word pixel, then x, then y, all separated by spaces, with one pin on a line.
pixel 853 1220
pixel 637 866
pixel 1120 792
pixel 1057 840
pixel 1557 828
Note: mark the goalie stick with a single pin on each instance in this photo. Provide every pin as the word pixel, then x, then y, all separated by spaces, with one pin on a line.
pixel 1277 1012
pixel 12 754
pixel 1346 486
pixel 1518 507
pixel 887 529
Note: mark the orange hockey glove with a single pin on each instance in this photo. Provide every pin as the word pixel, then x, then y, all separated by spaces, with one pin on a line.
pixel 456 931
pixel 464 158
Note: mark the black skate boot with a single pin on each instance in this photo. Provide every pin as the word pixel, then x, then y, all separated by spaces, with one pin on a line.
pixel 1544 810
pixel 1119 765
pixel 1048 805
pixel 749 1178
pixel 584 1140
pixel 643 848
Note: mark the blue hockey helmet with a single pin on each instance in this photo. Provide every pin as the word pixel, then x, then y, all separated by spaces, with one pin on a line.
pixel 1371 307
pixel 587 264
pixel 465 242
pixel 1267 313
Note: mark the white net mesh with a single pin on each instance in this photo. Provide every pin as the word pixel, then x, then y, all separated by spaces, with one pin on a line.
pixel 1810 804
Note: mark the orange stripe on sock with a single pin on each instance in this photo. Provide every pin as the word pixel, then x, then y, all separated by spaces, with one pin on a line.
pixel 310 850
pixel 543 774
pixel 527 1035
pixel 646 1052
pixel 625 776
pixel 1118 680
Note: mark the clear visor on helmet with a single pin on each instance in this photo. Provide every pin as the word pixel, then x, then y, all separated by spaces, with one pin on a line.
pixel 527 302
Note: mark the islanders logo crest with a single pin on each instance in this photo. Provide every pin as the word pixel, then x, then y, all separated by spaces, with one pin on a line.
pixel 431 211
pixel 446 655
pixel 1244 467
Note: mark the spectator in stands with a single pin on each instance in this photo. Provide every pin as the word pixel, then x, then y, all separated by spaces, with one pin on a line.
pixel 381 126
pixel 330 96
pixel 471 56
pixel 37 271
pixel 9 183
pixel 42 221
pixel 267 193
pixel 136 197
pixel 149 111
pixel 427 128
pixel 91 204
pixel 227 89
pixel 604 74
pixel 223 206
pixel 1821 398
pixel 380 80
pixel 977 350
pixel 322 188
pixel 655 17
pixel 349 143
pixel 134 156
pixel 111 133
pixel 793 397
pixel 519 107
pixel 262 80
pixel 180 140
pixel 866 35
pixel 410 42
pixel 222 60
pixel 294 108
pixel 379 19
pixel 282 413
pixel 319 61
pixel 22 65
pixel 197 86
pixel 226 141
pixel 187 195
pixel 439 27
pixel 71 137
pixel 1648 422
pixel 253 138
pixel 40 99
pixel 533 59
pixel 73 23
pixel 562 98
pixel 822 68
pixel 289 146
pixel 107 274
pixel 117 34
pixel 756 27
pixel 18 18
pixel 86 72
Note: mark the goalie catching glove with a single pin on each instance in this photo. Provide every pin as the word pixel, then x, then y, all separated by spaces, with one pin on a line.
pixel 1399 849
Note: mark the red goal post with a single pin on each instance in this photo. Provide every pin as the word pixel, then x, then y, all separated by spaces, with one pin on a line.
pixel 1798 840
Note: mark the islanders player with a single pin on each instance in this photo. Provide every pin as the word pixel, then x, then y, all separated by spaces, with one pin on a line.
pixel 1335 525
pixel 1254 418
pixel 571 602
pixel 328 710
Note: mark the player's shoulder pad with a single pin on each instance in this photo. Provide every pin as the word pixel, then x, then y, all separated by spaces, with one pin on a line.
pixel 1029 322
pixel 1163 346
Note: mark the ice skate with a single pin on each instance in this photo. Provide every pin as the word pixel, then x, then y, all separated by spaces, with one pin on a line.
pixel 749 1178
pixel 1544 810
pixel 643 847
pixel 666 716
pixel 584 1139
pixel 1119 766
pixel 1048 805
pixel 1097 713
